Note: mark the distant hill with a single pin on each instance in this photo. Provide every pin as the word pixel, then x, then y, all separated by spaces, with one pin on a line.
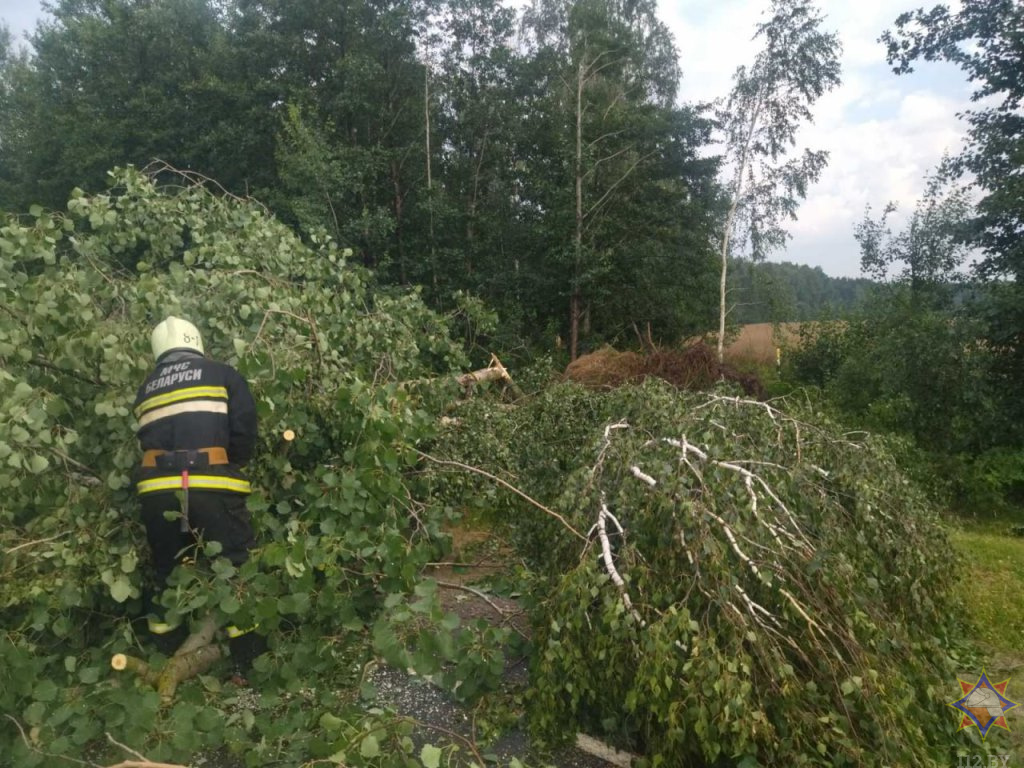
pixel 785 292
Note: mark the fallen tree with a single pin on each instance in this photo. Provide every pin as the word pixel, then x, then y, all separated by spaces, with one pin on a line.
pixel 347 380
pixel 757 587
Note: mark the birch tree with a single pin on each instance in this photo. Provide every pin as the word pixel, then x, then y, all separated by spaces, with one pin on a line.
pixel 769 101
pixel 602 132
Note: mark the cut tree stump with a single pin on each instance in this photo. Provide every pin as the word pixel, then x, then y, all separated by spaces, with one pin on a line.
pixel 194 656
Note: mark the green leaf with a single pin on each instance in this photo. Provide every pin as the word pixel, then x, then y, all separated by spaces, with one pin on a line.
pixel 330 722
pixel 45 690
pixel 430 756
pixel 369 747
pixel 210 683
pixel 230 604
pixel 38 464
pixel 129 562
pixel 121 589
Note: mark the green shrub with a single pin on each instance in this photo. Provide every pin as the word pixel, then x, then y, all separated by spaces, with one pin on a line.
pixel 787 592
pixel 819 353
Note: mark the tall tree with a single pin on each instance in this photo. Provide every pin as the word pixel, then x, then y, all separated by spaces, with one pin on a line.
pixel 770 100
pixel 985 39
pixel 350 153
pixel 474 116
pixel 930 249
pixel 111 83
pixel 602 132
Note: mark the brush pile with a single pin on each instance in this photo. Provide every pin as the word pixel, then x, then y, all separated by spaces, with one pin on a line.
pixel 755 587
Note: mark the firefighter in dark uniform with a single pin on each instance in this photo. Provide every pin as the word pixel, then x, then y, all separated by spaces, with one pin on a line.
pixel 197 429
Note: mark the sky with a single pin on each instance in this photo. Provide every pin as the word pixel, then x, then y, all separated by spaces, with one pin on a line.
pixel 883 132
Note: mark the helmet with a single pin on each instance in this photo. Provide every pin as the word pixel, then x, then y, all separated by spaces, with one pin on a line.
pixel 175 334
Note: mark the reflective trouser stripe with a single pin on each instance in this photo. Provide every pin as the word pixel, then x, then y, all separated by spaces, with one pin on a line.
pixel 234 632
pixel 160 627
pixel 195 482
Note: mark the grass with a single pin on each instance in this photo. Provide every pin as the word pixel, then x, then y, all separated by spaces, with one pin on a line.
pixel 994 586
pixel 993 590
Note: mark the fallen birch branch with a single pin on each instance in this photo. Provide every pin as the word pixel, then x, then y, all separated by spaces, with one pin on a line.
pixel 504 484
pixel 141 761
pixel 495 371
pixel 609 561
pixel 194 656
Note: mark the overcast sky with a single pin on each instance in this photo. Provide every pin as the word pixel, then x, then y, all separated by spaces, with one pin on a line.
pixel 883 132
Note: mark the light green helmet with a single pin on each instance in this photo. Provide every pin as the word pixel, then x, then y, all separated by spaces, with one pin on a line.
pixel 175 334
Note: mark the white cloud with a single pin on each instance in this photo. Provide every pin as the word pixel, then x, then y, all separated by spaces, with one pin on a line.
pixel 883 132
pixel 20 16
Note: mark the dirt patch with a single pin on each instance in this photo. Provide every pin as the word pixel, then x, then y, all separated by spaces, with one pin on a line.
pixel 476 559
pixel 693 367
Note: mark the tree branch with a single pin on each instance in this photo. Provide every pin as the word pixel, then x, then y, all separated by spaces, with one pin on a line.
pixel 40 362
pixel 34 542
pixel 612 188
pixel 509 486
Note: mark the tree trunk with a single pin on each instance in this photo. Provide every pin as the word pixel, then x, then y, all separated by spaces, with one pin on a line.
pixel 574 325
pixel 722 283
pixel 396 182
pixel 577 239
pixel 430 184
pixel 729 222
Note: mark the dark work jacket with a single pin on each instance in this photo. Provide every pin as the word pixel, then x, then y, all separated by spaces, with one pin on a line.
pixel 188 403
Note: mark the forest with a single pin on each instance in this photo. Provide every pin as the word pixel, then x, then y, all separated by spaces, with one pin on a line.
pixel 400 221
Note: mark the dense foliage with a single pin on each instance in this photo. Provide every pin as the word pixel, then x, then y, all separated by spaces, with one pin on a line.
pixel 983 38
pixel 785 593
pixel 346 366
pixel 536 160
pixel 785 588
pixel 768 291
pixel 916 357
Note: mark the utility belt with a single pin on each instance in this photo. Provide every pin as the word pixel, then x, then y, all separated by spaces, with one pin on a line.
pixel 197 458
pixel 179 467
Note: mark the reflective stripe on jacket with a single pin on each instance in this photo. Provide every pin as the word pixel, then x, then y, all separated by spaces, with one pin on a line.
pixel 189 403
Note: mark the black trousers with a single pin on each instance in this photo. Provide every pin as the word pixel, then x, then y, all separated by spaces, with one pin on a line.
pixel 220 517
pixel 213 516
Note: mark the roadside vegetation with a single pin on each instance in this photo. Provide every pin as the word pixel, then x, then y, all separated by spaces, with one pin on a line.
pixel 751 562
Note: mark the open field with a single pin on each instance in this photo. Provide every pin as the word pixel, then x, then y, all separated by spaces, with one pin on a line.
pixel 757 342
pixel 992 587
